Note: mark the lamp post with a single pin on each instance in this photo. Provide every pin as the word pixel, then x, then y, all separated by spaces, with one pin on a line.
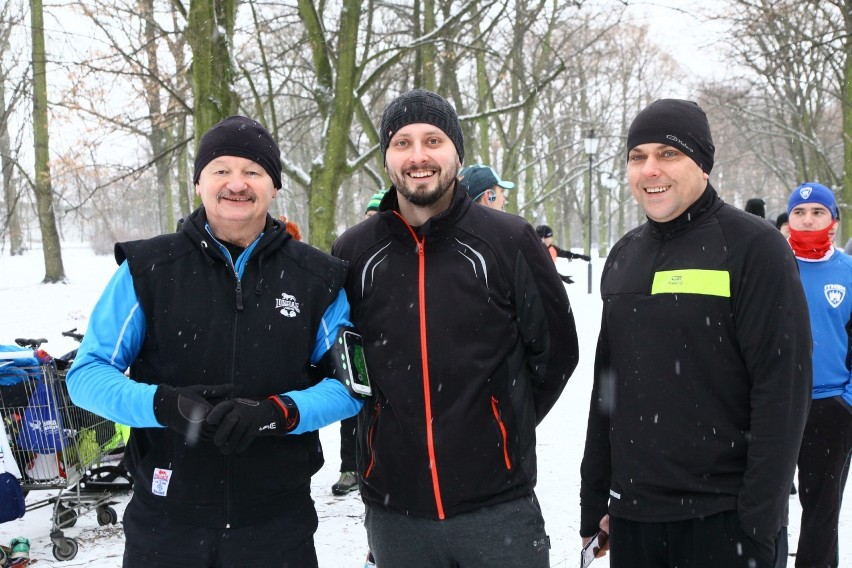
pixel 591 144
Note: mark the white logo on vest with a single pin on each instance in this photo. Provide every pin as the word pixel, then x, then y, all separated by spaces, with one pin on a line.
pixel 289 305
pixel 834 293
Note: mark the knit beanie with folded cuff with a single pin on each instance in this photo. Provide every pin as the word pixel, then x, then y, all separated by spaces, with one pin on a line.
pixel 244 138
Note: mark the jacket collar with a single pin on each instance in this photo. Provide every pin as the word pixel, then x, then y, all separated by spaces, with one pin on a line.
pixel 195 227
pixel 707 203
pixel 437 224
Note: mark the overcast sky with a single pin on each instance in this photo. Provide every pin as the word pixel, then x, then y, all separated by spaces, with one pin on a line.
pixel 685 31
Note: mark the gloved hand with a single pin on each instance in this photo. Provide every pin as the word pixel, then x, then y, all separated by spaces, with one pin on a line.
pixel 584 257
pixel 239 421
pixel 184 409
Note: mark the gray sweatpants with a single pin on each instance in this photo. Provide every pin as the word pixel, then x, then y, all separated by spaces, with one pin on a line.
pixel 500 536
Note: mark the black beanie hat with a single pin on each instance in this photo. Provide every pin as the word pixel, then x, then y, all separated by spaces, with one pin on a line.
pixel 678 123
pixel 756 206
pixel 543 231
pixel 242 137
pixel 420 105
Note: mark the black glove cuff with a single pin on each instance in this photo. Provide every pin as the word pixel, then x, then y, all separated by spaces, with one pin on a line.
pixel 162 401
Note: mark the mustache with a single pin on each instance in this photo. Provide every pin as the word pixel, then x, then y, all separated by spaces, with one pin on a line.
pixel 429 166
pixel 227 194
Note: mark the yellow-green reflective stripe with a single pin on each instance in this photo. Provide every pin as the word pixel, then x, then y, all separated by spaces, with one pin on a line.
pixel 692 281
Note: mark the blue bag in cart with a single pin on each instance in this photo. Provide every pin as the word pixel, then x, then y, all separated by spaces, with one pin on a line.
pixel 11 497
pixel 41 424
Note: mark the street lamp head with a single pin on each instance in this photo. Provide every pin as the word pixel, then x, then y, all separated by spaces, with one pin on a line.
pixel 591 143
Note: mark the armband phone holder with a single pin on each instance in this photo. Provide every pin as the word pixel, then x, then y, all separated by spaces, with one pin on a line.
pixel 348 364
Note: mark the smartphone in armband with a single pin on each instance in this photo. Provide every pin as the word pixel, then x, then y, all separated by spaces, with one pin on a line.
pixel 592 548
pixel 353 345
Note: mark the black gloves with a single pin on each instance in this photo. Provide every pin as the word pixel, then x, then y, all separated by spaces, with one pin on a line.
pixel 184 409
pixel 584 257
pixel 239 421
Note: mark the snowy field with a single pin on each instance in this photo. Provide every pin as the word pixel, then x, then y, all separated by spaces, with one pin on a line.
pixel 29 309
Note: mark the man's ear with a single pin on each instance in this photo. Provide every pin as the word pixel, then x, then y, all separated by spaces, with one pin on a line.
pixel 492 195
pixel 197 191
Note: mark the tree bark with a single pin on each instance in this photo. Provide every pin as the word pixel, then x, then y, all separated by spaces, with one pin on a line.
pixel 331 168
pixel 53 268
pixel 846 101
pixel 210 31
pixel 158 135
pixel 12 220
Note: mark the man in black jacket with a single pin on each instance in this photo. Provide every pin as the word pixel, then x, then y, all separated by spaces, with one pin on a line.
pixel 469 338
pixel 545 233
pixel 702 370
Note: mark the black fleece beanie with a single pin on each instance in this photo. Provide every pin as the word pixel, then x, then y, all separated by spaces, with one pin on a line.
pixel 241 137
pixel 420 105
pixel 678 123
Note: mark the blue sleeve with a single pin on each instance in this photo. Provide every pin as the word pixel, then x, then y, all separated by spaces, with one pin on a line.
pixel 113 339
pixel 325 403
pixel 335 317
pixel 329 400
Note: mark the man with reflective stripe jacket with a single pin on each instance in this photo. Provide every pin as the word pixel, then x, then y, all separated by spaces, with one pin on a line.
pixel 469 339
pixel 702 370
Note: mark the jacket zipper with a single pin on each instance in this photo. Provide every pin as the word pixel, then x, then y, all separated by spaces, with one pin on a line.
pixel 239 294
pixel 240 308
pixel 228 480
pixel 427 399
pixel 496 410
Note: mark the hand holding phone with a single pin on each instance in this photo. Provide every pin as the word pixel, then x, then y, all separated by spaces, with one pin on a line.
pixel 592 548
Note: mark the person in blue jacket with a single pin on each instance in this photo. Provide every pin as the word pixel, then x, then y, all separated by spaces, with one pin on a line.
pixel 224 327
pixel 824 456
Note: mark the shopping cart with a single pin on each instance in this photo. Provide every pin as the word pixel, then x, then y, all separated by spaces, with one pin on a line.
pixel 59 446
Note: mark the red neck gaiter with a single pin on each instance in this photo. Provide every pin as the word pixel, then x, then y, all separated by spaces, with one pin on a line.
pixel 812 245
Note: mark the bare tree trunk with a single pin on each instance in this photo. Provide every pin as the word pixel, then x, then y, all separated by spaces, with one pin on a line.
pixel 158 135
pixel 846 101
pixel 328 172
pixel 212 72
pixel 427 53
pixel 177 134
pixel 12 220
pixel 53 269
pixel 183 174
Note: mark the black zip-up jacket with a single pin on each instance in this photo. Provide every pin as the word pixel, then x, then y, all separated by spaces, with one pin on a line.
pixel 702 374
pixel 233 333
pixel 469 339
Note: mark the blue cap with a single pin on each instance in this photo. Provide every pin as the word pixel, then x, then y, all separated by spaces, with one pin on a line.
pixel 810 192
pixel 477 179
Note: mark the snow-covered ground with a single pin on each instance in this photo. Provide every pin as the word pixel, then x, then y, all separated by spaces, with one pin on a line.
pixel 29 309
